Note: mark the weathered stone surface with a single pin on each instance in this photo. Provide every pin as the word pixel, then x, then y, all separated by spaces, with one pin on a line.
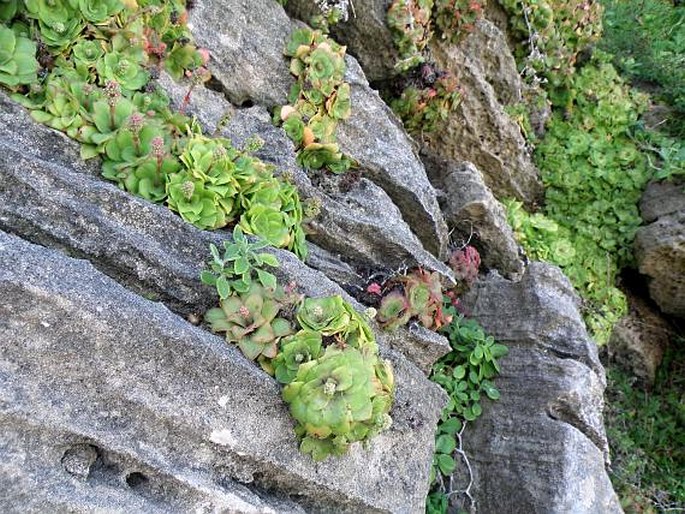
pixel 377 140
pixel 246 41
pixel 371 135
pixel 542 446
pixel 638 341
pixel 480 131
pixel 475 216
pixel 185 417
pixel 359 221
pixel 660 246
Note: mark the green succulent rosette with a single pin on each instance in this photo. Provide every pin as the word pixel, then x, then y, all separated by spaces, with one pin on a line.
pixel 86 54
pixel 60 21
pixel 269 223
pixel 339 398
pixel 393 311
pixel 123 69
pixel 18 63
pixel 194 202
pixel 327 315
pixel 98 11
pixel 304 346
pixel 315 156
pixel 250 321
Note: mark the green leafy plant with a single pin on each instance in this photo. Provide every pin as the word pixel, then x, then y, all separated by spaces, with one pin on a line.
pixel 250 321
pixel 318 100
pixel 240 265
pixel 338 389
pixel 409 22
pixel 422 107
pixel 97 87
pixel 339 398
pixel 552 34
pixel 457 18
pixel 18 63
pixel 647 40
pixel 466 375
pixel 646 432
pixel 594 175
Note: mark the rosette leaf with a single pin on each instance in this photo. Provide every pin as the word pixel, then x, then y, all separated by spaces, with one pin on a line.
pixel 124 69
pixel 327 315
pixel 18 63
pixel 194 202
pixel 250 321
pixel 98 11
pixel 393 311
pixel 318 155
pixel 304 346
pixel 269 223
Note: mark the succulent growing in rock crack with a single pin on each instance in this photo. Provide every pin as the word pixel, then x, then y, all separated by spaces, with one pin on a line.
pixel 18 63
pixel 333 316
pixel 295 350
pixel 250 321
pixel 465 263
pixel 410 24
pixel 339 398
pixel 421 297
pixel 195 203
pixel 318 100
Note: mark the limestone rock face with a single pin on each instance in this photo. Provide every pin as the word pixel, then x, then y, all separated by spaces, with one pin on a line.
pixel 476 217
pixel 480 131
pixel 112 402
pixel 253 42
pixel 660 245
pixel 542 446
pixel 638 341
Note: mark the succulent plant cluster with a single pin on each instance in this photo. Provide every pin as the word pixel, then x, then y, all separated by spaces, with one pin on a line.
pixel 324 352
pixel 409 22
pixel 418 296
pixel 425 95
pixel 428 100
pixel 553 33
pixel 465 263
pixel 319 99
pixel 457 18
pixel 98 61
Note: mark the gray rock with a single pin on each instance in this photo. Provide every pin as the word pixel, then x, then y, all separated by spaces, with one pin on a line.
pixel 359 220
pixel 480 131
pixel 472 210
pixel 541 448
pixel 247 59
pixel 376 139
pixel 246 42
pixel 185 417
pixel 660 246
pixel 638 341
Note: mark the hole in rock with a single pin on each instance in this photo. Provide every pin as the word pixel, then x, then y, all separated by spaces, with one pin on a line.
pixel 136 479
